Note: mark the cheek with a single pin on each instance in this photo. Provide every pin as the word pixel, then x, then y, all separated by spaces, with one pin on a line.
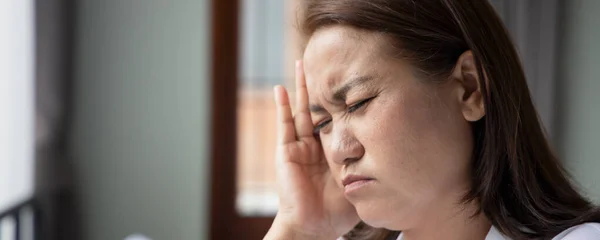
pixel 419 144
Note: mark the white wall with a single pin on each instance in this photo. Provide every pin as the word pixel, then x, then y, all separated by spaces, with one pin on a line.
pixel 579 94
pixel 16 101
pixel 140 130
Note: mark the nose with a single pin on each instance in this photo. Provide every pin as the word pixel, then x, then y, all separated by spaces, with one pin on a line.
pixel 345 147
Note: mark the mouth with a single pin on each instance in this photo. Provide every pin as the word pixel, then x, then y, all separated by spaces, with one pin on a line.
pixel 353 183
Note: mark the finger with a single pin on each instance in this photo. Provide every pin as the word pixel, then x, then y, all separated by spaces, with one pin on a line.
pixel 303 122
pixel 285 121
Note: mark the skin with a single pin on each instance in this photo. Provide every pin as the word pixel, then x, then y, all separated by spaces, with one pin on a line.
pixel 376 118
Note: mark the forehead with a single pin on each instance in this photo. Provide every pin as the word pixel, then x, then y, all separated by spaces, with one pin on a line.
pixel 336 53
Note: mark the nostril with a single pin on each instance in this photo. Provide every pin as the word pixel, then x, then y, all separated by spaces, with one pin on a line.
pixel 349 161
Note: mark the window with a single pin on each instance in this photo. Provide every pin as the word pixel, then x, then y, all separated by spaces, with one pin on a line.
pixel 268 48
pixel 16 102
pixel 255 44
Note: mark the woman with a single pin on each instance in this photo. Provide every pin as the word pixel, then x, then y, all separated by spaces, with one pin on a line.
pixel 414 121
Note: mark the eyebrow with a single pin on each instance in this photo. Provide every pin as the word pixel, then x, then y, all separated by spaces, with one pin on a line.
pixel 339 94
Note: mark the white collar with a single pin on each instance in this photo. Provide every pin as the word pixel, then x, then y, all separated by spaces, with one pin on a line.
pixel 584 231
pixel 493 234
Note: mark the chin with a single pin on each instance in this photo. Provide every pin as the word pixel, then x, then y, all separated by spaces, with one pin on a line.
pixel 378 215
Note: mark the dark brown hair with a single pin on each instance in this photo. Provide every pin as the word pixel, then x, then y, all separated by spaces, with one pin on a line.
pixel 517 180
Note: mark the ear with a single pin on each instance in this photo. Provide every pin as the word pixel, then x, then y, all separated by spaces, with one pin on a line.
pixel 469 87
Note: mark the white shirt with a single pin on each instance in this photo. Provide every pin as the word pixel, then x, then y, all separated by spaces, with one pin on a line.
pixel 586 231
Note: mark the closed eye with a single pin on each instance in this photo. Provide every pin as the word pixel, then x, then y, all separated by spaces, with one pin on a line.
pixel 358 105
pixel 317 129
pixel 320 126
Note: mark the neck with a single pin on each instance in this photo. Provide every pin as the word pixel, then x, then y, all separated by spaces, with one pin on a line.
pixel 459 222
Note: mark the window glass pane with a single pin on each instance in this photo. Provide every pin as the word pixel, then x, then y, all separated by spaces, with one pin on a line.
pixel 268 47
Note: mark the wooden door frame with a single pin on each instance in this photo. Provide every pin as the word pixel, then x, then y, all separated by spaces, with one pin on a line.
pixel 225 222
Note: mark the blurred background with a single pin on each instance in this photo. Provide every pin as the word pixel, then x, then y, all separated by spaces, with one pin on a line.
pixel 153 117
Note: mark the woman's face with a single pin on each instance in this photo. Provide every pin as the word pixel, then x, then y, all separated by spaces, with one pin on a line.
pixel 377 119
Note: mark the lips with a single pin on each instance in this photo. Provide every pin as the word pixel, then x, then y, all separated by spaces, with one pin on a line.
pixel 349 179
pixel 354 183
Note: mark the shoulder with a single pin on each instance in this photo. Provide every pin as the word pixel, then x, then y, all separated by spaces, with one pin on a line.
pixel 586 231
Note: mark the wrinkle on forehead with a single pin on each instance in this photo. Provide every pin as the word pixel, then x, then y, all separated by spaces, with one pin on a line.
pixel 336 53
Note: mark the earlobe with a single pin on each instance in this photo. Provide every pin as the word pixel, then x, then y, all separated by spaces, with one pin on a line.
pixel 471 97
